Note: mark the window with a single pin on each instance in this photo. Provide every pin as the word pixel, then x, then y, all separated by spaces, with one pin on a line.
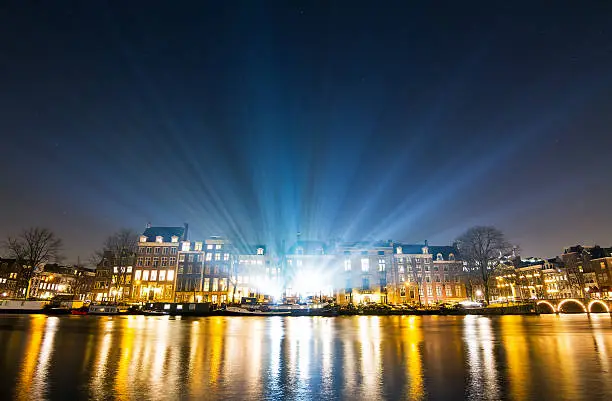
pixel 401 277
pixel 602 265
pixel 365 283
pixel 157 249
pixel 217 256
pixel 365 264
pixel 215 284
pixel 429 290
pixel 439 291
pixel 181 257
pixel 428 279
pixel 223 284
pixel 449 291
pixel 208 256
pixel 172 261
pixel 145 275
pixel 381 265
pixel 190 257
pixel 399 250
pixel 198 246
pixel 143 238
pixel 139 262
pixel 159 239
pixel 164 262
pixel 437 278
pixel 164 250
pixel 445 268
pixel 402 291
pixel 155 262
pixel 439 256
pixel 209 246
pixel 185 246
pixel 458 290
pixel 456 279
pixel 174 238
pixel 226 256
pixel 170 276
pixel 347 265
pixel 162 275
pixel 173 250
pixel 260 251
pixel 147 262
pixel 451 256
pixel 218 246
pixel 148 249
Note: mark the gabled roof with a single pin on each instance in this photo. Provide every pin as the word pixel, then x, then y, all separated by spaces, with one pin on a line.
pixel 165 232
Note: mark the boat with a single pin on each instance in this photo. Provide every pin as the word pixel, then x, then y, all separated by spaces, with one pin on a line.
pixel 22 306
pixel 103 310
pixel 155 313
pixel 253 311
pixel 79 311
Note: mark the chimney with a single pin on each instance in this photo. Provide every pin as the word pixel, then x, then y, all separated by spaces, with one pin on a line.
pixel 426 243
pixel 186 234
pixel 148 225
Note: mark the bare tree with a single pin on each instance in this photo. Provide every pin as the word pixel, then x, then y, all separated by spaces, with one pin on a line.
pixel 119 251
pixel 32 249
pixel 483 249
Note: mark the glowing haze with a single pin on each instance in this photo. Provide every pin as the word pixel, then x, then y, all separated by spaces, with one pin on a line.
pixel 255 120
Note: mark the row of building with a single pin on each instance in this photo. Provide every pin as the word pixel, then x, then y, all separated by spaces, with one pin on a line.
pixel 168 267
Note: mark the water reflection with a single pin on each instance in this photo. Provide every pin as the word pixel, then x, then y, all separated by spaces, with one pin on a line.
pixel 139 357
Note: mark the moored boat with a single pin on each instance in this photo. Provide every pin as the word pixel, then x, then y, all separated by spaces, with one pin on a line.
pixel 253 311
pixel 103 310
pixel 21 306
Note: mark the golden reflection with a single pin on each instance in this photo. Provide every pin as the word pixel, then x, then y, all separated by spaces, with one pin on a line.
pixel 122 375
pixel 515 341
pixel 215 342
pixel 196 384
pixel 33 343
pixel 370 361
pixel 601 349
pixel 100 369
pixel 482 380
pixel 39 384
pixel 412 333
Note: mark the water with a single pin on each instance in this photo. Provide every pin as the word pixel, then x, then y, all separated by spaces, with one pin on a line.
pixel 564 357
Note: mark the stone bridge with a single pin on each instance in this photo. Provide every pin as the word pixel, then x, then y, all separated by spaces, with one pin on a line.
pixel 587 305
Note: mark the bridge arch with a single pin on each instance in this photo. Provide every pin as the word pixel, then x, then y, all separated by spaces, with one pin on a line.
pixel 584 308
pixel 550 305
pixel 597 301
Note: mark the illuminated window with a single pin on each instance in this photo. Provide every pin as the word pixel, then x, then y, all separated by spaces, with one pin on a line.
pixel 399 250
pixel 162 275
pixel 185 246
pixel 439 291
pixel 191 256
pixel 159 238
pixel 215 284
pixel 347 265
pixel 139 262
pixel 153 275
pixel 147 262
pixel 170 276
pixel 365 264
pixel 429 290
pixel 217 256
pixel 198 246
pixel 223 284
pixel 173 250
pixel 208 256
pixel 218 246
pixel 164 262
pixel 401 278
pixel 174 238
pixel 143 238
pixel 209 246
pixel 449 291
pixel 381 265
pixel 172 261
pixel 451 256
pixel 260 251
pixel 165 250
pixel 148 249
pixel 206 284
pixel 226 256
pixel 145 275
pixel 181 257
pixel 155 262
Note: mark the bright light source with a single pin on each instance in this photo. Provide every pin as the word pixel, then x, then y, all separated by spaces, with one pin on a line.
pixel 478 293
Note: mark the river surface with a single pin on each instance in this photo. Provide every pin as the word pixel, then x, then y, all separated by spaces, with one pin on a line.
pixel 565 357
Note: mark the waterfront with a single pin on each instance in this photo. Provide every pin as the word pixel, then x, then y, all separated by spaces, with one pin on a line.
pixel 361 357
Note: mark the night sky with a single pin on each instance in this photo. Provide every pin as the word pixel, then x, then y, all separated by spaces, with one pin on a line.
pixel 338 119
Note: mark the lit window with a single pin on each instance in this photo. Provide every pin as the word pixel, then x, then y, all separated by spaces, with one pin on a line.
pixel 155 262
pixel 260 251
pixel 218 246
pixel 215 285
pixel 172 261
pixel 147 262
pixel 206 284
pixel 145 275
pixel 399 250
pixel 139 262
pixel 209 246
pixel 174 238
pixel 159 239
pixel 217 256
pixel 129 269
pixel 439 291
pixel 226 256
pixel 449 291
pixel 153 275
pixel 208 256
pixel 181 257
pixel 170 276
pixel 164 262
pixel 198 246
pixel 347 265
pixel 185 246
pixel 429 290
pixel 162 275
pixel 143 238
pixel 365 264
pixel 137 274
pixel 381 265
